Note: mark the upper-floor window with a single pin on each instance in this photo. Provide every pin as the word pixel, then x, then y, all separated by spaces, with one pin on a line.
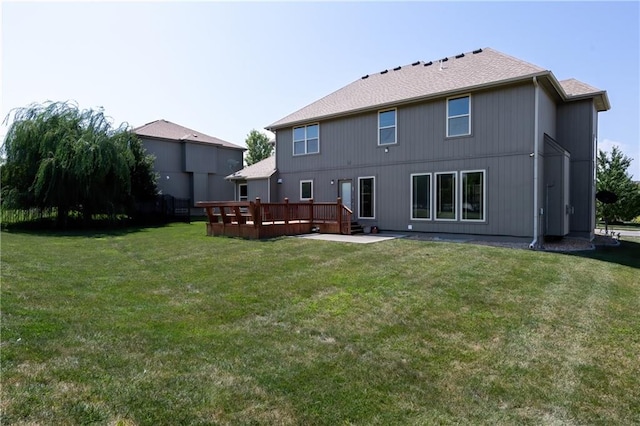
pixel 387 127
pixel 459 116
pixel 306 189
pixel 306 139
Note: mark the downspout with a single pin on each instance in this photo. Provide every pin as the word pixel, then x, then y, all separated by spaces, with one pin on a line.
pixel 536 218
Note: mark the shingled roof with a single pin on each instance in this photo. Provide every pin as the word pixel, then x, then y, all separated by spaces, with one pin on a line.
pixel 163 129
pixel 260 170
pixel 423 80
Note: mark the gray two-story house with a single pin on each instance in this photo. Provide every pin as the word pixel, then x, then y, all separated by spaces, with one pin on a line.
pixel 479 143
pixel 190 164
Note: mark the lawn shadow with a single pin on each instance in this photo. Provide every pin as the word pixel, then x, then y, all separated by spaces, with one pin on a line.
pixel 90 232
pixel 626 254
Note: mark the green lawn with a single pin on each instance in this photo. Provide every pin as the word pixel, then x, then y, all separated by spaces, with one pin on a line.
pixel 167 326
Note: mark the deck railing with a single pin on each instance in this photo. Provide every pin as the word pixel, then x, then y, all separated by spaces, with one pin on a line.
pixel 254 219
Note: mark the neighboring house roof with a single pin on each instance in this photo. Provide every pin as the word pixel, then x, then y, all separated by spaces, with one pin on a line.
pixel 163 129
pixel 419 81
pixel 260 170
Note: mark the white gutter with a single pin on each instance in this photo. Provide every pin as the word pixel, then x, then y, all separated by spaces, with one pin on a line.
pixel 536 219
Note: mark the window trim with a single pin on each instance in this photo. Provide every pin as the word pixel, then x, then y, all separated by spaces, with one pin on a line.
pixel 468 95
pixel 395 126
pixel 455 196
pixel 373 204
pixel 431 215
pixel 484 196
pixel 309 181
pixel 306 140
pixel 246 198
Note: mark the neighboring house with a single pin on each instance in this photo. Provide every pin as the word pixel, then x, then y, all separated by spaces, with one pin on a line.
pixel 190 164
pixel 256 180
pixel 480 143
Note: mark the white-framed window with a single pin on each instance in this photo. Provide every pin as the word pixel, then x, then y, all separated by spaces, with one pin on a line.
pixel 306 189
pixel 387 129
pixel 366 197
pixel 445 196
pixel 306 139
pixel 242 192
pixel 459 116
pixel 473 195
pixel 421 196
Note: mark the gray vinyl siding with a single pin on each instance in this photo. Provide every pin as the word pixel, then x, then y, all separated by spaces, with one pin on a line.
pixel 168 155
pixel 259 188
pixel 547 123
pixel 194 171
pixel 169 166
pixel 501 140
pixel 556 189
pixel 577 130
pixel 200 158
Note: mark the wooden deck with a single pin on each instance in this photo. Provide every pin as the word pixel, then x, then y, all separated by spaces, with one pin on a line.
pixel 255 220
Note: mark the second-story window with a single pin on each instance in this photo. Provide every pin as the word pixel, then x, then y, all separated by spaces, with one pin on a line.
pixel 306 139
pixel 459 116
pixel 387 127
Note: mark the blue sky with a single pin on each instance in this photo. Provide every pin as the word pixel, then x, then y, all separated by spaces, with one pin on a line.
pixel 224 68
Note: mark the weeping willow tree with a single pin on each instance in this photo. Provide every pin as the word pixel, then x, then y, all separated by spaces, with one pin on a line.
pixel 58 156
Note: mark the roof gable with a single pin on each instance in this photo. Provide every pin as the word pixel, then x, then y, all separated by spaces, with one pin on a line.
pixel 417 81
pixel 163 129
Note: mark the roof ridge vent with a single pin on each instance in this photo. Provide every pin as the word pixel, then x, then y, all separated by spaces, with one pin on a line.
pixel 444 60
pixel 426 64
pixel 475 52
pixel 384 72
pixel 415 63
pixel 460 56
pixel 365 76
pixel 397 68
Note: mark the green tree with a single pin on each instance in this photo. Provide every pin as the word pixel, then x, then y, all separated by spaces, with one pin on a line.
pixel 612 176
pixel 58 156
pixel 258 147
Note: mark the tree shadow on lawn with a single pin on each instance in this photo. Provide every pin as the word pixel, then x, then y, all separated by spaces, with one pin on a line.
pixel 90 232
pixel 626 254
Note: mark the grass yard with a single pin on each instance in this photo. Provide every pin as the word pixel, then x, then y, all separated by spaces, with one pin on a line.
pixel 167 326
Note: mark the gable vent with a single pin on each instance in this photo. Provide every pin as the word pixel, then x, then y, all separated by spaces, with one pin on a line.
pixel 397 68
pixel 477 51
pixel 428 63
pixel 384 72
pixel 460 56
pixel 365 76
pixel 415 63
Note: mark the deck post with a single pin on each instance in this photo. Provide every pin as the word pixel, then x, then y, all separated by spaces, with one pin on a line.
pixel 311 211
pixel 238 215
pixel 223 215
pixel 257 213
pixel 339 213
pixel 286 215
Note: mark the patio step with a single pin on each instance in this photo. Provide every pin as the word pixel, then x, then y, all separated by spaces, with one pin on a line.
pixel 356 228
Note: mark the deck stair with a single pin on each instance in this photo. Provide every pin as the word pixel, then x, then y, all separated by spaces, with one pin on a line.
pixel 356 228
